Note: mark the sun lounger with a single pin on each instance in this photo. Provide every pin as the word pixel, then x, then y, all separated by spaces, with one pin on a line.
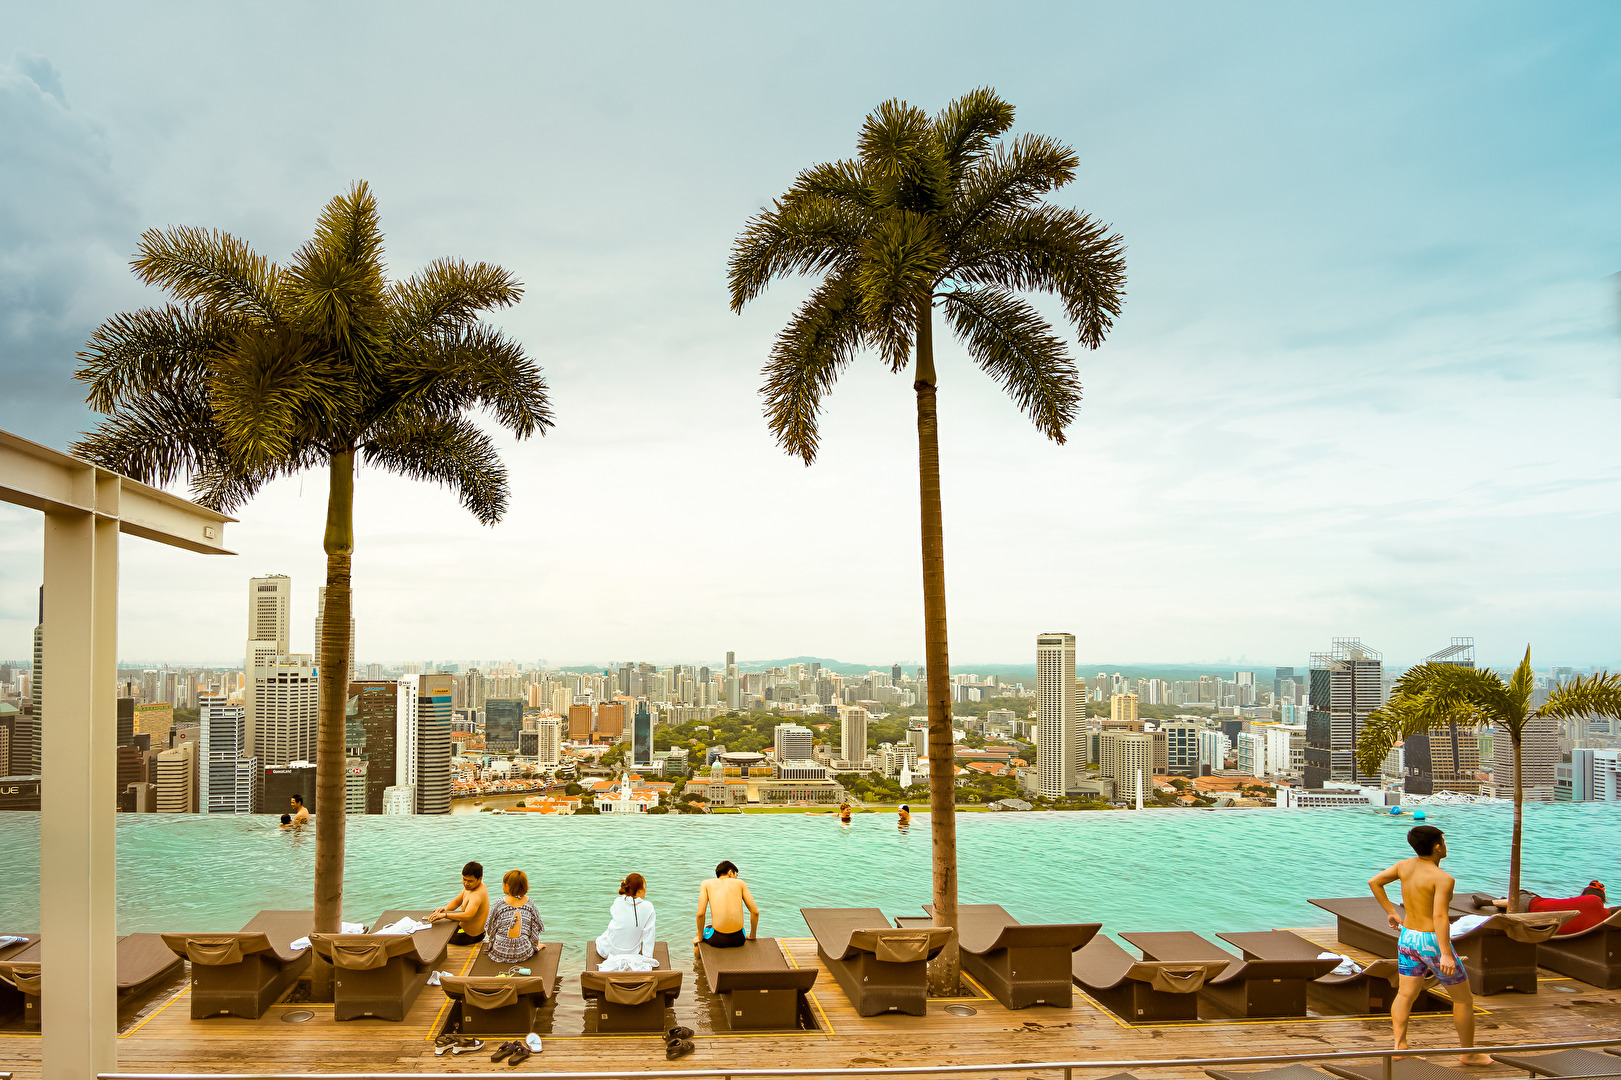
pixel 1288 1072
pixel 491 1004
pixel 1368 992
pixel 757 987
pixel 11 999
pixel 1562 1063
pixel 880 968
pixel 380 975
pixel 631 1000
pixel 244 973
pixel 1020 964
pixel 1592 955
pixel 143 962
pixel 1400 1069
pixel 1250 988
pixel 1137 991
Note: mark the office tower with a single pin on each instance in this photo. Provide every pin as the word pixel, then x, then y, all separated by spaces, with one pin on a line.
pixel 270 602
pixel 610 721
pixel 155 720
pixel 1181 747
pixel 853 735
pixel 1346 686
pixel 354 785
pixel 549 741
pixel 1123 708
pixel 433 744
pixel 1539 762
pixel 1058 714
pixel 641 742
pixel 731 661
pixel 282 782
pixel 9 715
pixel 502 721
pixel 126 721
pixel 177 780
pixel 579 723
pixel 25 755
pixel 1127 758
pixel 1447 759
pixel 1213 748
pixel 320 616
pixel 406 706
pixel 794 743
pixel 374 709
pixel 399 799
pixel 221 748
pixel 285 714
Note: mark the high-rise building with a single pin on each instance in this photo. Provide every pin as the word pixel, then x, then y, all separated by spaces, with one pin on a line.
pixel 1447 759
pixel 399 799
pixel 1127 758
pixel 375 705
pixel 155 719
pixel 282 782
pixel 641 741
pixel 224 787
pixel 1123 708
pixel 610 721
pixel 285 715
pixel 1181 747
pixel 1539 762
pixel 1058 715
pixel 406 709
pixel 1346 686
pixel 503 719
pixel 320 619
pixel 549 741
pixel 433 744
pixel 270 602
pixel 794 743
pixel 579 723
pixel 853 735
pixel 25 752
pixel 177 780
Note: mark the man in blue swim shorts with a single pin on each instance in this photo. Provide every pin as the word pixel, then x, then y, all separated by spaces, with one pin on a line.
pixel 1424 943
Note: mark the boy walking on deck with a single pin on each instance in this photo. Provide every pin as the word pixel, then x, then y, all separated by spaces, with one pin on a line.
pixel 1424 944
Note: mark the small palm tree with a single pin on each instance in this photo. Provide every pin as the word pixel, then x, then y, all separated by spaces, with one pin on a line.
pixel 933 211
pixel 260 371
pixel 1435 695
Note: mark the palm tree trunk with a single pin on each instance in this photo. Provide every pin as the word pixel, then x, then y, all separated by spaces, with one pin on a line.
pixel 943 975
pixel 1519 822
pixel 334 684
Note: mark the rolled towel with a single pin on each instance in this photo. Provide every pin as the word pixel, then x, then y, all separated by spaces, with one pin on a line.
pixel 11 939
pixel 406 925
pixel 300 943
pixel 1468 923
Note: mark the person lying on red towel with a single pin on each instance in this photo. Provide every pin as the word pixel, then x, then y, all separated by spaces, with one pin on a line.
pixel 1589 906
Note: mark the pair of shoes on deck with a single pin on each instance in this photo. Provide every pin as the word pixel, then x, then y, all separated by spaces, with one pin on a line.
pixel 678 1042
pixel 455 1044
pixel 513 1052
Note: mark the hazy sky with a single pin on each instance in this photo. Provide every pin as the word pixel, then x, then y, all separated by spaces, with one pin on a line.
pixel 1366 380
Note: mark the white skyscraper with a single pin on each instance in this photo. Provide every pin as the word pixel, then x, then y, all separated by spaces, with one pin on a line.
pixel 853 734
pixel 1058 709
pixel 270 602
pixel 221 757
pixel 284 694
pixel 405 731
pixel 550 745
pixel 793 742
pixel 320 616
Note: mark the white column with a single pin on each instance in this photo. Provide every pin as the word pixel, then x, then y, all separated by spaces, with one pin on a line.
pixel 78 916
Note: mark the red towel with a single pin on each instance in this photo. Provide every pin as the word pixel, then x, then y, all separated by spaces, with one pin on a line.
pixel 1591 907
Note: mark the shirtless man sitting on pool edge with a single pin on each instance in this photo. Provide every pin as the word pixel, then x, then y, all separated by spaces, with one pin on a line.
pixel 724 897
pixel 1424 947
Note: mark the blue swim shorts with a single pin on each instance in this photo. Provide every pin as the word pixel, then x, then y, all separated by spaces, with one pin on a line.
pixel 1419 954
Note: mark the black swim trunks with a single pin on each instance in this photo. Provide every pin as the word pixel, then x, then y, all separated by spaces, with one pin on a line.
pixel 461 938
pixel 724 941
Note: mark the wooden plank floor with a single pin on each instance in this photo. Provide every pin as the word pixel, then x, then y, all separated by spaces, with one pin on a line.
pixel 165 1038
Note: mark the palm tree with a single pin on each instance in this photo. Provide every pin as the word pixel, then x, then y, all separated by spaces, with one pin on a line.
pixel 260 371
pixel 932 211
pixel 1437 695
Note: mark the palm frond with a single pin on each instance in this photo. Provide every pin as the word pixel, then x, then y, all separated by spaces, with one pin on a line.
pixel 446 295
pixel 271 394
pixel 965 130
pixel 806 235
pixel 1598 694
pixel 1055 250
pixel 841 182
pixel 1016 347
pixel 337 278
pixel 1390 725
pixel 462 367
pixel 450 451
pixel 156 438
pixel 211 268
pixel 1011 177
pixel 134 353
pixel 900 263
pixel 901 159
pixel 820 340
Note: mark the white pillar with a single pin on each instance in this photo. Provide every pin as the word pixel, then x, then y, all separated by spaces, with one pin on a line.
pixel 78 914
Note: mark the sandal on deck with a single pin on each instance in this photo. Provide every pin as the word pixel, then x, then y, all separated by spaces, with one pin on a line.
pixel 676 1034
pixel 503 1050
pixel 467 1046
pixel 522 1053
pixel 679 1048
pixel 443 1043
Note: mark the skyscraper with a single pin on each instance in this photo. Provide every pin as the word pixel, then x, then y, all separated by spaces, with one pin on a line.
pixel 320 617
pixel 610 721
pixel 433 744
pixel 794 743
pixel 503 720
pixel 286 717
pixel 25 756
pixel 376 706
pixel 1058 714
pixel 1123 708
pixel 641 742
pixel 177 780
pixel 221 750
pixel 853 735
pixel 549 744
pixel 1447 759
pixel 579 723
pixel 1346 686
pixel 270 602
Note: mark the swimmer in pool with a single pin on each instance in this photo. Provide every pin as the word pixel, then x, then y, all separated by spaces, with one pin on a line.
pixel 905 817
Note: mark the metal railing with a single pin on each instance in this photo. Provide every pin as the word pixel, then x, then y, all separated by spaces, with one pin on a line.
pixel 1026 1068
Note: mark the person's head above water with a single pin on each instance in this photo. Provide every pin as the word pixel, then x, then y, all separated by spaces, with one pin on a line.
pixel 287 819
pixel 297 801
pixel 726 866
pixel 1427 840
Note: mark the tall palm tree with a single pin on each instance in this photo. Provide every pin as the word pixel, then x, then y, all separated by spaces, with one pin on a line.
pixel 1435 695
pixel 259 371
pixel 933 211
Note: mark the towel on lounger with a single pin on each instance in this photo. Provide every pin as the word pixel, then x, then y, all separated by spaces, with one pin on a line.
pixel 1468 923
pixel 348 928
pixel 10 939
pixel 629 962
pixel 1347 966
pixel 406 925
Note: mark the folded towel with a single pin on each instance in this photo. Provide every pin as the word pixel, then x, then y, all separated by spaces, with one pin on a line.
pixel 1347 966
pixel 300 943
pixel 11 939
pixel 433 980
pixel 353 928
pixel 629 962
pixel 1468 923
pixel 406 925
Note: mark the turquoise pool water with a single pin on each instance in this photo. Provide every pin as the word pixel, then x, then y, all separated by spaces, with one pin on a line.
pixel 1147 870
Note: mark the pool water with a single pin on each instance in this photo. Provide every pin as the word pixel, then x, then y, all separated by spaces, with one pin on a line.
pixel 1145 870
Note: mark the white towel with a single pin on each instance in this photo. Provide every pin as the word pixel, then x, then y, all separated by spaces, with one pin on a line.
pixel 301 943
pixel 433 980
pixel 406 925
pixel 1347 966
pixel 10 939
pixel 348 928
pixel 1468 923
pixel 629 962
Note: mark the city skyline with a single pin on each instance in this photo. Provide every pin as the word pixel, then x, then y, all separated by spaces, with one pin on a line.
pixel 1335 403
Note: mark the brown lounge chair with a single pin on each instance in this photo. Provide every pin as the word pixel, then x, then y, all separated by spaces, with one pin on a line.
pixel 1400 1069
pixel 494 1005
pixel 631 1000
pixel 143 962
pixel 756 986
pixel 380 975
pixel 1369 992
pixel 11 999
pixel 881 968
pixel 1562 1063
pixel 1500 955
pixel 1592 955
pixel 1250 988
pixel 244 973
pixel 1140 991
pixel 1021 964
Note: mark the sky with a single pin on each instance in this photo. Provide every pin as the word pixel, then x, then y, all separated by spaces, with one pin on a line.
pixel 1366 381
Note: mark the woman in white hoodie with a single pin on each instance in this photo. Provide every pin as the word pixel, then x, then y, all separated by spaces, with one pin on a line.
pixel 627 944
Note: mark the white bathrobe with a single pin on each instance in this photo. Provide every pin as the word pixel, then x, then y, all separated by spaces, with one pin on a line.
pixel 627 944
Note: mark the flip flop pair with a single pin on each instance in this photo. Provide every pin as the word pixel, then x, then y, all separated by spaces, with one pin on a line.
pixel 513 1052
pixel 678 1042
pixel 455 1044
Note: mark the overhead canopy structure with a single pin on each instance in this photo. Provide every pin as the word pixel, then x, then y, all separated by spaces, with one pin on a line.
pixel 85 509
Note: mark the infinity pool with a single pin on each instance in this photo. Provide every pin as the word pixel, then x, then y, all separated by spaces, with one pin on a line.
pixel 1144 870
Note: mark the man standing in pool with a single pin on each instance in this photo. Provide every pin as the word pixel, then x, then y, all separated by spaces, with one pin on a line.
pixel 1424 945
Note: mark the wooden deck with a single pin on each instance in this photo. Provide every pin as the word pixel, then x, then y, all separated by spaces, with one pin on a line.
pixel 163 1037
